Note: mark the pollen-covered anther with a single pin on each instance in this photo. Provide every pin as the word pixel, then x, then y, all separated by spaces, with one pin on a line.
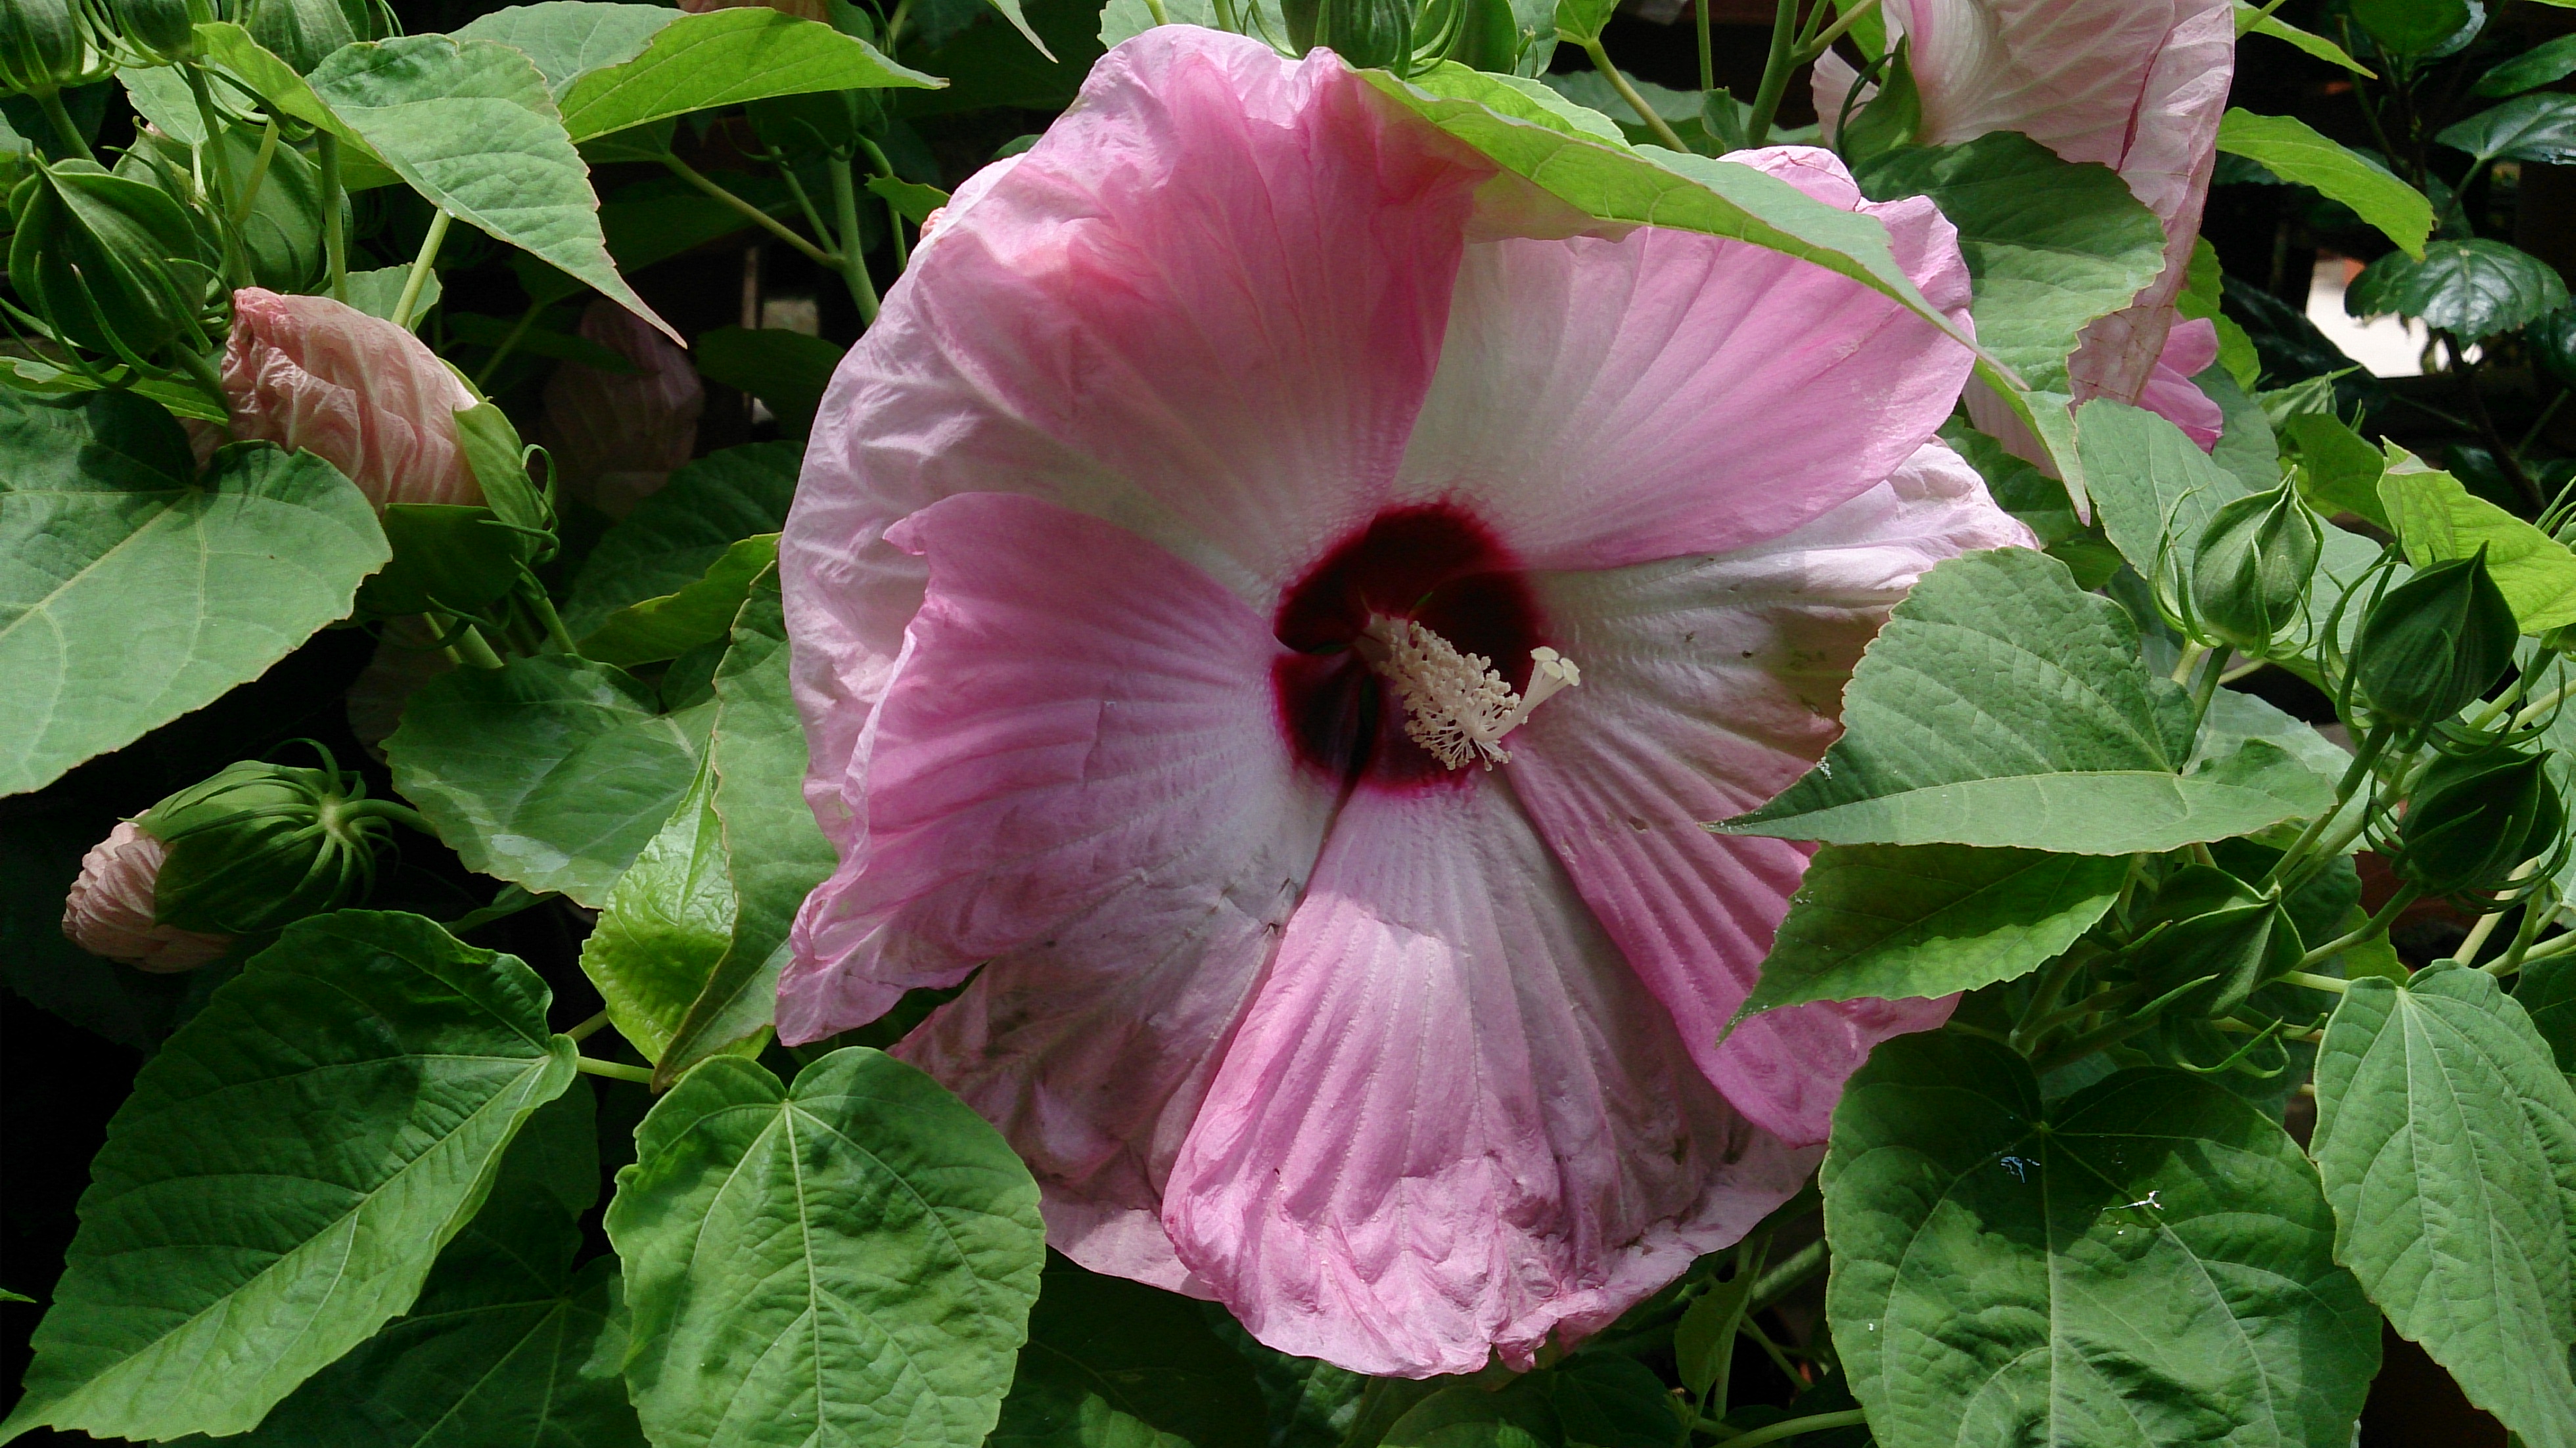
pixel 1457 705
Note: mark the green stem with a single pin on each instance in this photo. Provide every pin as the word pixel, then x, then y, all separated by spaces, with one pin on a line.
pixel 754 214
pixel 2361 934
pixel 854 265
pixel 1155 8
pixel 1707 51
pixel 2313 981
pixel 1790 1428
pixel 335 240
pixel 894 213
pixel 509 343
pixel 2372 745
pixel 472 651
pixel 804 199
pixel 421 266
pixel 1786 1276
pixel 258 175
pixel 2535 915
pixel 2485 927
pixel 385 809
pixel 1779 1357
pixel 1664 134
pixel 213 121
pixel 2211 667
pixel 593 1066
pixel 1826 37
pixel 557 636
pixel 51 103
pixel 1775 75
pixel 2052 984
pixel 588 1028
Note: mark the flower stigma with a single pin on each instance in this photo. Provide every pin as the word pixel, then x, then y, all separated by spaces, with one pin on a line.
pixel 1457 706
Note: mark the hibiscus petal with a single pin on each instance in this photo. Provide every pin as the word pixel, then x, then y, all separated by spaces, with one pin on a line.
pixel 2171 394
pixel 1452 1120
pixel 1206 306
pixel 1601 402
pixel 1077 762
pixel 1709 684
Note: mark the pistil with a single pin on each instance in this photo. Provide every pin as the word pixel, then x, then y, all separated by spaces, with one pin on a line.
pixel 1457 706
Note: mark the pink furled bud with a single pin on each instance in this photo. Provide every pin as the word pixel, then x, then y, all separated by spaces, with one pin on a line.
pixel 616 437
pixel 110 910
pixel 357 391
pixel 801 9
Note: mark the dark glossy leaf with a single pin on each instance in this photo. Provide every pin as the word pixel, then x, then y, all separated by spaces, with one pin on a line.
pixel 286 1172
pixel 2412 27
pixel 2548 61
pixel 2470 289
pixel 2547 991
pixel 699 612
pixel 2145 1262
pixel 850 1262
pixel 2446 1135
pixel 131 594
pixel 551 772
pixel 1312 1404
pixel 2527 128
pixel 675 536
pixel 1116 1364
pixel 787 370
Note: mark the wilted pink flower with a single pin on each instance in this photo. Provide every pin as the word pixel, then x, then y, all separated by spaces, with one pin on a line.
pixel 801 9
pixel 615 437
pixel 110 911
pixel 357 391
pixel 1221 491
pixel 2136 85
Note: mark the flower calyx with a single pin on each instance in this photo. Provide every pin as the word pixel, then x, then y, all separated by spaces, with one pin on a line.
pixel 1458 706
pixel 260 846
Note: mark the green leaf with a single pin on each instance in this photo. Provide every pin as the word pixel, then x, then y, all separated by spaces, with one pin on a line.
pixel 778 852
pixel 850 1261
pixel 2146 1262
pixel 2471 289
pixel 2051 246
pixel 911 198
pixel 2446 1136
pixel 2004 706
pixel 2293 150
pixel 723 58
pixel 377 291
pixel 552 773
pixel 286 1171
pixel 1519 1415
pixel 1605 178
pixel 666 924
pixel 2550 61
pixel 787 370
pixel 2340 468
pixel 677 535
pixel 1312 1403
pixel 2437 519
pixel 2412 27
pixel 508 1343
pixel 1116 1364
pixel 1580 21
pixel 471 126
pixel 1902 921
pixel 1608 1401
pixel 568 39
pixel 1010 11
pixel 2527 128
pixel 2547 991
pixel 2253 20
pixel 130 595
pixel 700 613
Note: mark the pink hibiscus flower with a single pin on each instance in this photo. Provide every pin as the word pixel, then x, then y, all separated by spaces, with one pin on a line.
pixel 1278 625
pixel 2135 85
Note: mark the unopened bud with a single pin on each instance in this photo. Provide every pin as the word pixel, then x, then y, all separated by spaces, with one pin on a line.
pixel 2221 935
pixel 2472 822
pixel 2435 643
pixel 360 393
pixel 110 911
pixel 299 32
pixel 616 437
pixel 111 263
pixel 259 847
pixel 157 31
pixel 45 46
pixel 2251 573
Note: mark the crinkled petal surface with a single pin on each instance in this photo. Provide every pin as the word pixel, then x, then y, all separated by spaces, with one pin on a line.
pixel 357 391
pixel 1453 1118
pixel 2170 393
pixel 1604 402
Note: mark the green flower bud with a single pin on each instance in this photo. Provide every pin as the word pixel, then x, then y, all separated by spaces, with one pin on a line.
pixel 261 846
pixel 2219 933
pixel 46 45
pixel 1367 33
pixel 299 32
pixel 2252 570
pixel 112 264
pixel 158 32
pixel 2434 644
pixel 2472 821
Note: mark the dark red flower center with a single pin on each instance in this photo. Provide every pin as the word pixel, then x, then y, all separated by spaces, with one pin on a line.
pixel 1435 565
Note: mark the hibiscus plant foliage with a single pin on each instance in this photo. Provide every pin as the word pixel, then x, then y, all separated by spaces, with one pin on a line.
pixel 1427 746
